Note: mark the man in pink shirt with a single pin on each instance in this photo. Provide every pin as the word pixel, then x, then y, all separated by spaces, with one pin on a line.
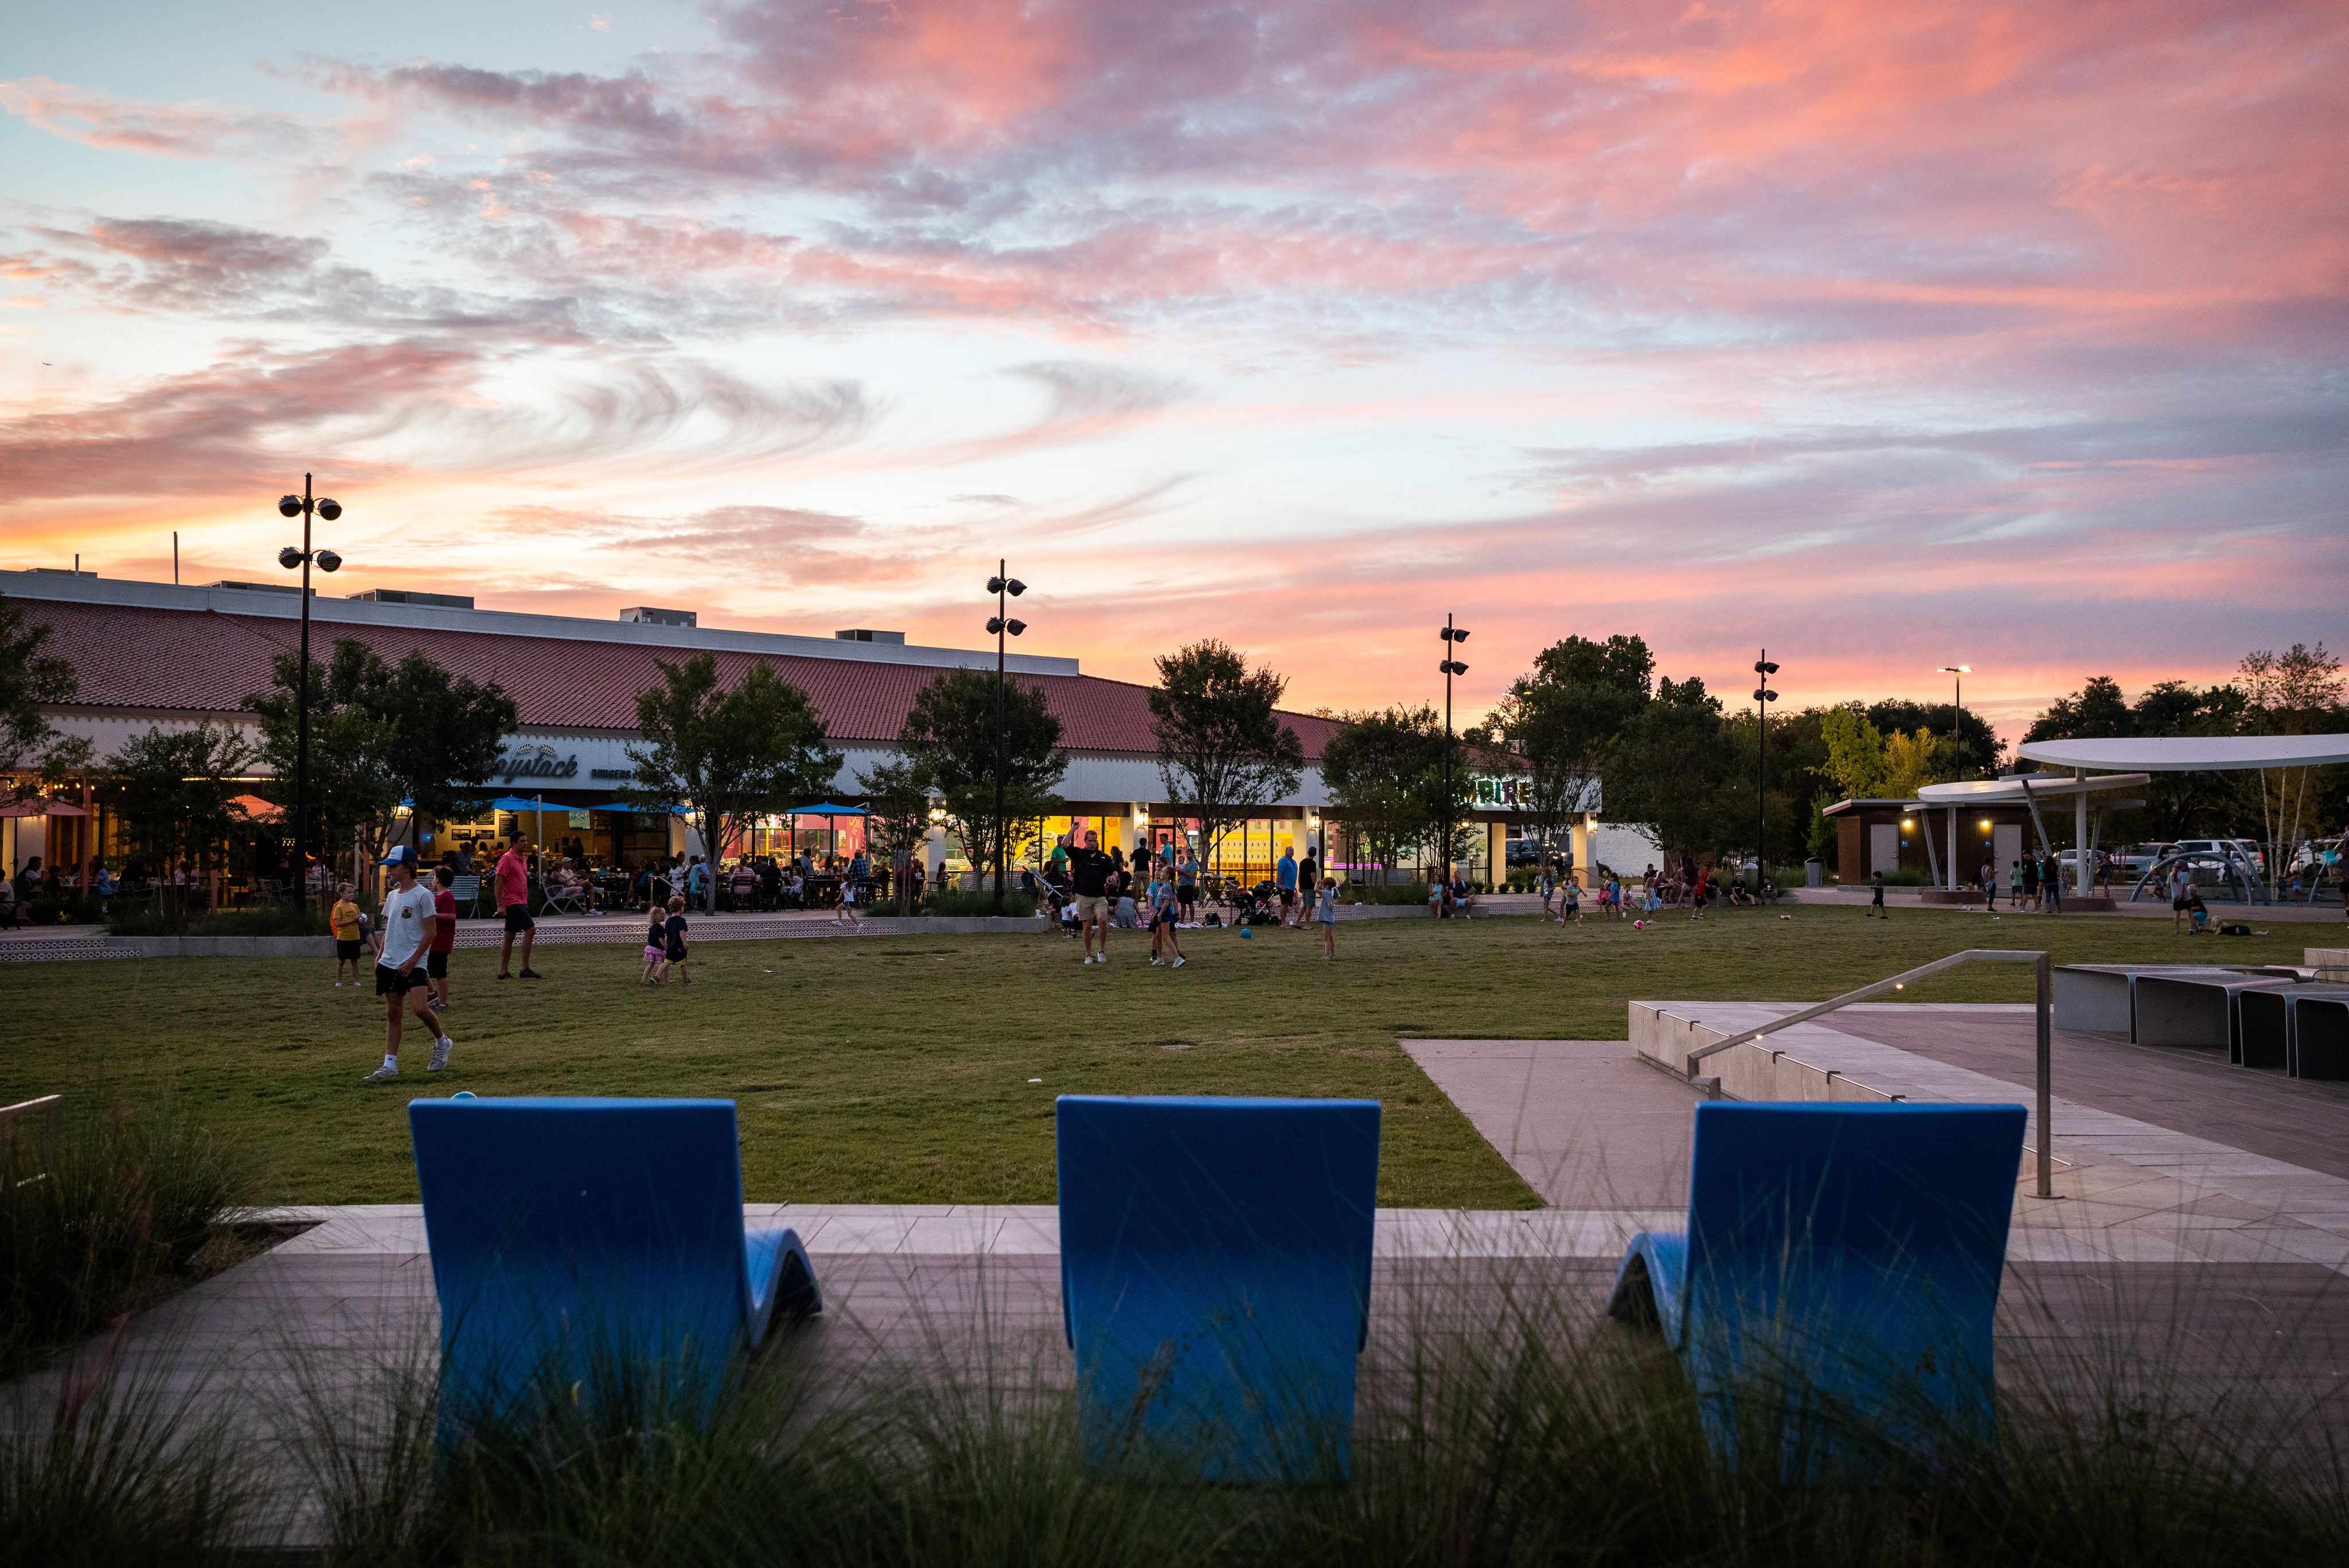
pixel 513 881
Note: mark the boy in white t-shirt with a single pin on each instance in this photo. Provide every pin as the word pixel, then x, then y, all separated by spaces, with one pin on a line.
pixel 400 977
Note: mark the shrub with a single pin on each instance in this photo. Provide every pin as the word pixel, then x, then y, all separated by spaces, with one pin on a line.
pixel 281 919
pixel 955 901
pixel 136 1192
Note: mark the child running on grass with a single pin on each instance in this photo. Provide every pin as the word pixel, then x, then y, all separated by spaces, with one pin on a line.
pixel 1326 905
pixel 348 924
pixel 1571 908
pixel 655 948
pixel 676 933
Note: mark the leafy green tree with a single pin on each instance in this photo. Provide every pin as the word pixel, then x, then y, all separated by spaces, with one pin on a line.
pixel 1854 762
pixel 1670 771
pixel 31 749
pixel 2296 693
pixel 1222 747
pixel 1375 767
pixel 172 789
pixel 897 813
pixel 1566 717
pixel 379 733
pixel 950 736
pixel 723 756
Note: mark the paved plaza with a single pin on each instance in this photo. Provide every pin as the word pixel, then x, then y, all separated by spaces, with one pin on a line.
pixel 2201 1226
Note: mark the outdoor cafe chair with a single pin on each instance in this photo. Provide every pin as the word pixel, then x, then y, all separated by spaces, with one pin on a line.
pixel 565 898
pixel 467 891
pixel 1837 1275
pixel 1214 1279
pixel 594 1245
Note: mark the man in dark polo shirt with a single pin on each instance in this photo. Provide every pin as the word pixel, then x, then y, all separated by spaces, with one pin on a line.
pixel 1089 870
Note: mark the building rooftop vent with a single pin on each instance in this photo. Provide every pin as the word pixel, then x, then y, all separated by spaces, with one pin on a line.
pixel 294 589
pixel 861 635
pixel 648 616
pixel 411 597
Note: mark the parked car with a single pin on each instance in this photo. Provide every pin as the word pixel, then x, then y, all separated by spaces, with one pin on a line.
pixel 2243 848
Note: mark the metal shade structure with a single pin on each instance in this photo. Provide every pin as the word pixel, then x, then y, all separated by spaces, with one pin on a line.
pixel 2013 791
pixel 2192 754
pixel 2026 790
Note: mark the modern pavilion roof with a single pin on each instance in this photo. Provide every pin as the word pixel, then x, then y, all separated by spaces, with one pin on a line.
pixel 2192 754
pixel 2019 789
pixel 139 656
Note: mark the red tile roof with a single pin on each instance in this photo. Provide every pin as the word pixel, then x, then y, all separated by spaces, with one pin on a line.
pixel 136 657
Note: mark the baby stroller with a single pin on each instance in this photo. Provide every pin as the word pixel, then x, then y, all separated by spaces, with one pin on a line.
pixel 1259 906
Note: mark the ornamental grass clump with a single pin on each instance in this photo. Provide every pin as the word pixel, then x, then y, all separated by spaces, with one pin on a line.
pixel 135 1191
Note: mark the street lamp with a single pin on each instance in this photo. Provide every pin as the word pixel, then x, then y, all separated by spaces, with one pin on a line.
pixel 303 507
pixel 999 623
pixel 1451 667
pixel 1957 674
pixel 1762 697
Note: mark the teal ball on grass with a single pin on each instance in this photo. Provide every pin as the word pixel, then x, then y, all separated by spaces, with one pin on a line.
pixel 1247 933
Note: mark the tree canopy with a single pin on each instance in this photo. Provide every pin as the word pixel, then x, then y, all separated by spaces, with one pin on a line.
pixel 722 756
pixel 1222 746
pixel 950 733
pixel 29 744
pixel 379 733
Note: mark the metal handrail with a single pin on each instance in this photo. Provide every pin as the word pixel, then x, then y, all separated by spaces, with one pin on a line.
pixel 54 1107
pixel 2046 989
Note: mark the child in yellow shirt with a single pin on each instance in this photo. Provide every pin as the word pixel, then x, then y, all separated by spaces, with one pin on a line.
pixel 349 926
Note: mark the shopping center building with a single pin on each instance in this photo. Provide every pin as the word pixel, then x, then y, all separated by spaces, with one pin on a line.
pixel 151 654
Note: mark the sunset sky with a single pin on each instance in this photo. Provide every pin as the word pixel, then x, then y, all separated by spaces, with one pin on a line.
pixel 1889 336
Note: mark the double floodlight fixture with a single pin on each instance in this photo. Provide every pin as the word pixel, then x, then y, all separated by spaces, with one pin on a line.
pixel 294 506
pixel 1957 669
pixel 1012 585
pixel 1765 667
pixel 1454 634
pixel 996 623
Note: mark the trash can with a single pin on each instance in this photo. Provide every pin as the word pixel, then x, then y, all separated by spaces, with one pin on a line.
pixel 1813 874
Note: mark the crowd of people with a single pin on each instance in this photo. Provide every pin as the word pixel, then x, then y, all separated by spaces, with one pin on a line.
pixel 1086 891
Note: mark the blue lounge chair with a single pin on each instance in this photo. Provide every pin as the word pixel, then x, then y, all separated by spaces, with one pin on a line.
pixel 1215 1278
pixel 1844 1259
pixel 594 1244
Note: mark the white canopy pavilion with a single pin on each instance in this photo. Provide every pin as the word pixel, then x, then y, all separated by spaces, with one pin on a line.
pixel 2139 758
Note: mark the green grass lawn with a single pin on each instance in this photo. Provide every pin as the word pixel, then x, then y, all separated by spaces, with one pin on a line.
pixel 921 1070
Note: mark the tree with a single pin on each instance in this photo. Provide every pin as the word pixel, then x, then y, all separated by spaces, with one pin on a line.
pixel 172 789
pixel 721 758
pixel 1910 763
pixel 1222 747
pixel 29 744
pixel 379 733
pixel 1565 718
pixel 1854 762
pixel 1669 774
pixel 2097 711
pixel 1373 768
pixel 2296 693
pixel 897 815
pixel 951 736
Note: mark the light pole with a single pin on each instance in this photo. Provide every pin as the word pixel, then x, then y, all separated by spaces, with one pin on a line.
pixel 303 507
pixel 998 623
pixel 1957 674
pixel 1762 697
pixel 1451 667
